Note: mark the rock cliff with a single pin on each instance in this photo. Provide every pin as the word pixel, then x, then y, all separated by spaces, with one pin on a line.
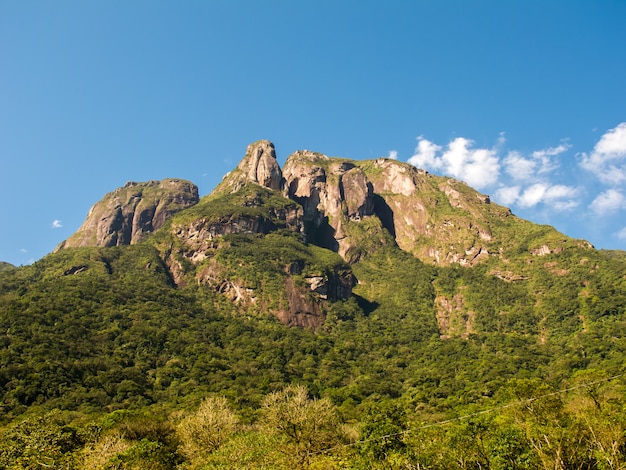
pixel 332 192
pixel 258 166
pixel 439 220
pixel 350 207
pixel 126 215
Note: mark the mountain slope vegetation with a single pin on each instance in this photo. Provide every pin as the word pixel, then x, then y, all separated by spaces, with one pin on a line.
pixel 297 312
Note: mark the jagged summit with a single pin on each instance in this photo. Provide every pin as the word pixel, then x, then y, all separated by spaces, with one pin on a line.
pixel 348 206
pixel 258 166
pixel 126 215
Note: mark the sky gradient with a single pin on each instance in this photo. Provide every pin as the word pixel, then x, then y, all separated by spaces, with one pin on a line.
pixel 523 100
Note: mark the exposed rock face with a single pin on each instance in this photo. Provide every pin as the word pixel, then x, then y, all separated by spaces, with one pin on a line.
pixel 308 309
pixel 300 310
pixel 332 192
pixel 415 205
pixel 453 317
pixel 337 193
pixel 128 214
pixel 198 236
pixel 258 166
pixel 302 306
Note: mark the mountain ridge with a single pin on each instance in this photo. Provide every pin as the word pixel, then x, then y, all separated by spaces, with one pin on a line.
pixel 350 207
pixel 439 220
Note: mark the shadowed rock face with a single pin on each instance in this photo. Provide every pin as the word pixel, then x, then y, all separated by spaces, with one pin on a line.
pixel 332 192
pixel 126 215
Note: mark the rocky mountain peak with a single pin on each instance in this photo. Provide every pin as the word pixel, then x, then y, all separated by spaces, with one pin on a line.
pixel 258 166
pixel 126 215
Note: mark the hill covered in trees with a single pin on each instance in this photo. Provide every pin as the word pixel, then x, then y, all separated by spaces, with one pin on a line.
pixel 329 314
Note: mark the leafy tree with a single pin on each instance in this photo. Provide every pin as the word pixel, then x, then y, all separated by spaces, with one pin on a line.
pixel 307 425
pixel 205 430
pixel 46 441
pixel 383 430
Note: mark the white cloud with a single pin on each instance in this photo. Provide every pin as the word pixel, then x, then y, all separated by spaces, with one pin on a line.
pixel 532 195
pixel 507 195
pixel 426 155
pixel 560 191
pixel 23 250
pixel 540 162
pixel 477 167
pixel 525 180
pixel 622 234
pixel 56 223
pixel 551 151
pixel 608 202
pixel 562 206
pixel 559 197
pixel 562 197
pixel 608 159
pixel 543 157
pixel 393 154
pixel 518 166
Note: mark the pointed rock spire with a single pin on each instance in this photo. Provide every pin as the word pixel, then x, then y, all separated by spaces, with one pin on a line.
pixel 262 167
pixel 258 166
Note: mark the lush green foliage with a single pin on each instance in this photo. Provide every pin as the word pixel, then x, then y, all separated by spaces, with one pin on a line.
pixel 106 363
pixel 528 425
pixel 6 266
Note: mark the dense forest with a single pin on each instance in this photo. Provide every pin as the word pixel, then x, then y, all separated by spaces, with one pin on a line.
pixel 114 367
pixel 181 352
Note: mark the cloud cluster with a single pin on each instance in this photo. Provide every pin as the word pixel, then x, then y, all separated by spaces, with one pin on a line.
pixel 608 159
pixel 525 180
pixel 559 196
pixel 478 167
pixel 608 202
pixel 530 176
pixel 530 180
pixel 56 223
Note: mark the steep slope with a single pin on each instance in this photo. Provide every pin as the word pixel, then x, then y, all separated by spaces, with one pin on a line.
pixel 439 220
pixel 258 166
pixel 248 247
pixel 332 192
pixel 245 242
pixel 126 215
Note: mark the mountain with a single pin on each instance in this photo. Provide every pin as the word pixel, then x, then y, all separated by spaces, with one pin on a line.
pixel 126 215
pixel 376 285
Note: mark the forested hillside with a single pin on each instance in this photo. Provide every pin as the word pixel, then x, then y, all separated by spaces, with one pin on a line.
pixel 294 321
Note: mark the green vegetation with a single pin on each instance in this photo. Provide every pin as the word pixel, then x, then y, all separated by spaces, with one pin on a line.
pixel 250 201
pixel 109 361
pixel 5 266
pixel 528 425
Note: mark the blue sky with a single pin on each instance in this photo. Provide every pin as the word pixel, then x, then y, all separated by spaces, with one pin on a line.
pixel 524 100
